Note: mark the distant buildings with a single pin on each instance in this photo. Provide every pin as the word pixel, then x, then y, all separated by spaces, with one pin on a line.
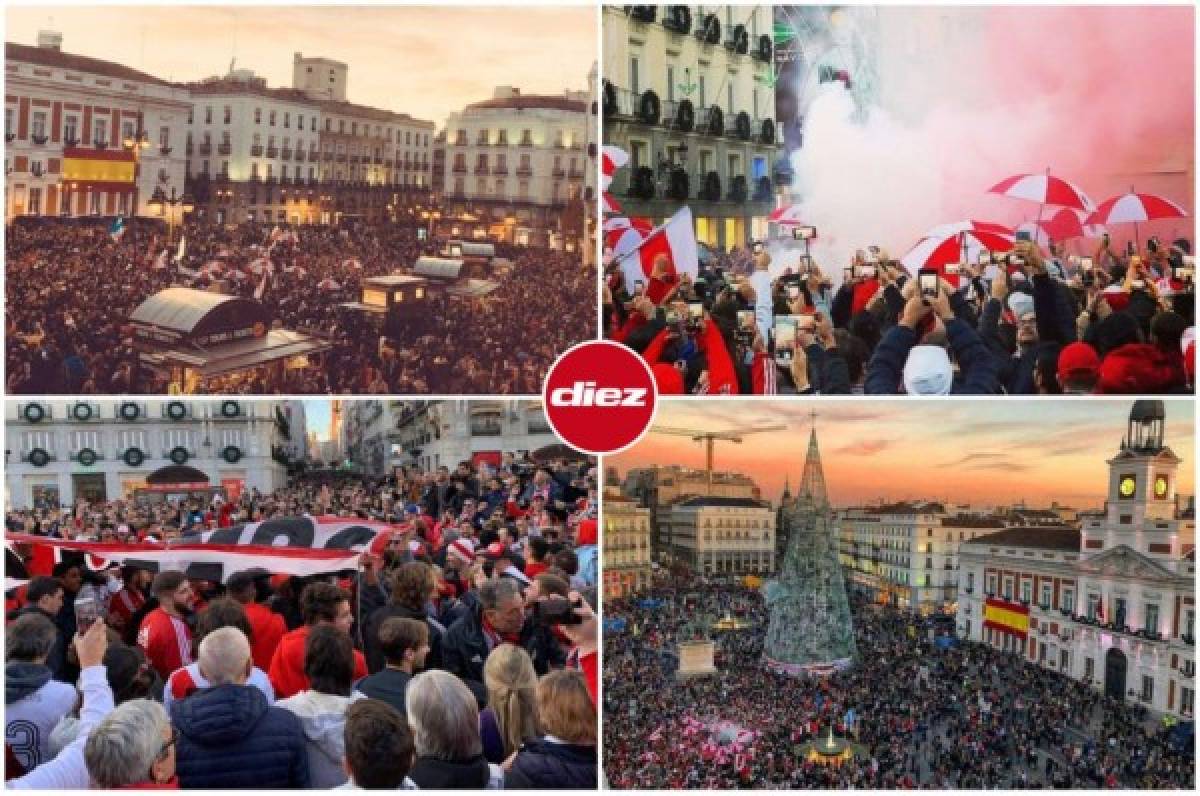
pixel 626 545
pixel 1111 602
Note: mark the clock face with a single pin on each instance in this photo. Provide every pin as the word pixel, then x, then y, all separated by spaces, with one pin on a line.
pixel 1128 486
pixel 1160 487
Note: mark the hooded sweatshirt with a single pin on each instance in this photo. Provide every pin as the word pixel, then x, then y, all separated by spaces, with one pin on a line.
pixel 323 720
pixel 33 704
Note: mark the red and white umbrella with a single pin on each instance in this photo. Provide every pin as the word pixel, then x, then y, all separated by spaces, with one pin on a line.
pixel 1043 189
pixel 787 215
pixel 1135 208
pixel 610 204
pixel 611 159
pixel 625 238
pixel 960 241
pixel 327 284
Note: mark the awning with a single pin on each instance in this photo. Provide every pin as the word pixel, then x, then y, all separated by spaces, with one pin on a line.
pixel 242 355
pixel 472 288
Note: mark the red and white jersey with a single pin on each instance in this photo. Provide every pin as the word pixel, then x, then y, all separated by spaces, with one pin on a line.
pixel 167 642
pixel 186 681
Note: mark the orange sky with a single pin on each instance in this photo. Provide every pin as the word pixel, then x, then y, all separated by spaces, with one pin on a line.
pixel 422 60
pixel 982 452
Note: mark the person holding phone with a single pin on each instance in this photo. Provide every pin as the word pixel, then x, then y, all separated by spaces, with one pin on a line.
pixel 902 359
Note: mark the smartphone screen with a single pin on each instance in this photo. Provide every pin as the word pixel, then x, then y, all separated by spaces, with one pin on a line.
pixel 785 334
pixel 793 291
pixel 695 310
pixel 1085 263
pixel 746 319
pixel 87 611
pixel 758 247
pixel 866 271
pixel 953 268
pixel 672 317
pixel 1023 234
pixel 928 282
pixel 1016 260
pixel 1138 284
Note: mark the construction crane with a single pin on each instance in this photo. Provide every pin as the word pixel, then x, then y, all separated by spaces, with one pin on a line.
pixel 709 437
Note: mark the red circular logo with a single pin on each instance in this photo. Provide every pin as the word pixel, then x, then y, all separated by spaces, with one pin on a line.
pixel 600 397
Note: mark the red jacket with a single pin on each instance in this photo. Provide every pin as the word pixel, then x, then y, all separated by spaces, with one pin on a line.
pixel 167 642
pixel 267 629
pixel 287 665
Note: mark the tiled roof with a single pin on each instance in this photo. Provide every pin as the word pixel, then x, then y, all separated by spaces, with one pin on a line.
pixel 530 101
pixel 722 501
pixel 1043 538
pixel 44 56
pixel 972 521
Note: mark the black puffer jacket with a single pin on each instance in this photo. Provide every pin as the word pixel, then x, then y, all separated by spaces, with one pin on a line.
pixel 230 738
pixel 544 764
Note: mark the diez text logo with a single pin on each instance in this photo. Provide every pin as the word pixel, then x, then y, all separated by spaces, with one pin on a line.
pixel 599 397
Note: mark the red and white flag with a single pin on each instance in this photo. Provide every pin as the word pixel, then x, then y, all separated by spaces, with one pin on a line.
pixel 609 203
pixel 611 159
pixel 677 240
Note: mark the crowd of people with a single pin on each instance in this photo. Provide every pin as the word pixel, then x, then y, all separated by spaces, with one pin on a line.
pixel 916 714
pixel 1028 322
pixel 460 654
pixel 62 339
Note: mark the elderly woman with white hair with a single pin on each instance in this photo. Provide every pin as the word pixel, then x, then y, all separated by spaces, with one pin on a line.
pixel 445 722
pixel 133 747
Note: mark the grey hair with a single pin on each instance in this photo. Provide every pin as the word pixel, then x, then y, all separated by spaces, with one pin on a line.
pixel 122 748
pixel 444 716
pixel 496 591
pixel 31 637
pixel 223 656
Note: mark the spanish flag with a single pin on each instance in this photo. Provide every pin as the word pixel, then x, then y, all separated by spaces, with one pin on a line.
pixel 114 166
pixel 1007 617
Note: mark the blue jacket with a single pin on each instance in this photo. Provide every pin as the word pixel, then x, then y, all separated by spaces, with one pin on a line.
pixel 543 764
pixel 977 365
pixel 230 738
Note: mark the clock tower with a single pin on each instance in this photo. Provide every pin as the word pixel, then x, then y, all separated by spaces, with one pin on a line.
pixel 1140 510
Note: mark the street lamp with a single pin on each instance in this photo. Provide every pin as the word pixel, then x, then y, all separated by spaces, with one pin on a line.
pixel 135 142
pixel 161 202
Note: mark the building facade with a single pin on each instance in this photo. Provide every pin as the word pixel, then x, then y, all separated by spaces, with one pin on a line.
pixel 381 435
pixel 719 536
pixel 689 94
pixel 67 122
pixel 1111 604
pixel 658 488
pixel 61 451
pixel 515 168
pixel 626 545
pixel 906 554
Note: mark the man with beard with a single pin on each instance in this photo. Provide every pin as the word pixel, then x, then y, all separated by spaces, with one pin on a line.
pixel 132 596
pixel 164 634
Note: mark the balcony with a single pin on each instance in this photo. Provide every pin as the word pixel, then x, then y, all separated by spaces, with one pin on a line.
pixel 272 152
pixel 286 154
pixel 327 157
pixel 558 171
pixel 524 171
pixel 526 142
pixel 70 141
pixel 256 151
pixel 460 142
pixel 205 148
pixel 300 156
pixel 481 168
pixel 39 140
pixel 100 143
pixel 189 150
pixel 459 168
pixel 341 158
pixel 224 148
pixel 500 168
pixel 377 160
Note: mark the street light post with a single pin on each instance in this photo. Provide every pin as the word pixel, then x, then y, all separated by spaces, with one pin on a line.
pixel 135 143
pixel 161 201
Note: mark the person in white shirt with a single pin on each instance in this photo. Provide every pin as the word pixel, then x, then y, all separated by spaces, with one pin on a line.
pixel 33 701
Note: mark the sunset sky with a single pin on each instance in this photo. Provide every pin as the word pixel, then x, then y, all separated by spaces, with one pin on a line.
pixel 980 452
pixel 425 61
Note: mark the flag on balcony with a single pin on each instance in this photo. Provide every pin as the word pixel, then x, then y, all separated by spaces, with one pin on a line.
pixel 117 230
pixel 677 240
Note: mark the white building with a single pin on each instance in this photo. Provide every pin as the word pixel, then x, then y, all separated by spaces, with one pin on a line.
pixel 906 554
pixel 626 545
pixel 689 94
pixel 516 160
pixel 58 451
pixel 384 434
pixel 66 121
pixel 719 535
pixel 1111 604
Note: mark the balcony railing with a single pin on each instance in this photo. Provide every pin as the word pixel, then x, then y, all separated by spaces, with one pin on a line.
pixel 39 140
pixel 272 152
pixel 481 168
pixel 256 151
pixel 558 171
pixel 341 158
pixel 299 155
pixel 459 168
pixel 460 142
pixel 524 171
pixel 205 148
pixel 500 169
pixel 224 149
pixel 526 142
pixel 286 154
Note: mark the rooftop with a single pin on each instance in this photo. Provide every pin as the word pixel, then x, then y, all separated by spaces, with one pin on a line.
pixel 1042 538
pixel 530 102
pixel 46 56
pixel 903 507
pixel 972 521
pixel 745 503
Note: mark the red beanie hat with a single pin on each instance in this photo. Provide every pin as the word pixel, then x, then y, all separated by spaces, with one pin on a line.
pixel 668 378
pixel 1077 358
pixel 1135 368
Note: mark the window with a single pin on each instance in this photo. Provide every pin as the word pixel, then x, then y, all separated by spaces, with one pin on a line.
pixel 670 83
pixel 700 90
pixel 970 581
pixel 341 125
pixel 9 113
pixel 35 202
pixel 1152 618
pixel 100 131
pixel 208 114
pixel 1119 616
pixel 85 439
pixel 353 128
pixel 39 124
pixel 729 93
pixel 71 128
pixel 1046 591
pixel 39 439
pixel 164 137
pixel 634 82
pixel 258 115
pixel 1068 600
pixel 328 125
pixel 1008 588
pixel 287 119
pixel 1093 604
pixel 1147 688
pixel 1089 670
pixel 228 114
pixel 271 119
